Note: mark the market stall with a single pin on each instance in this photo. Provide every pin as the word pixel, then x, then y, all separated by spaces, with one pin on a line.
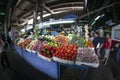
pixel 48 53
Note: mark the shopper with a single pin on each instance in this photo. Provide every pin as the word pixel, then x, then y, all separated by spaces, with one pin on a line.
pixel 91 37
pixel 3 55
pixel 108 43
pixel 98 44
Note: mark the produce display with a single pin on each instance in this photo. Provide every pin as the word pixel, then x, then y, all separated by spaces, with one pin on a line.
pixel 25 43
pixel 90 44
pixel 52 44
pixel 87 55
pixel 73 50
pixel 18 41
pixel 39 45
pixel 81 42
pixel 32 44
pixel 66 52
pixel 48 51
pixel 61 39
pixel 70 36
pixel 45 38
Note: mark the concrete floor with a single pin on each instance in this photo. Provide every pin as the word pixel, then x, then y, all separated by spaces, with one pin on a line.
pixel 21 70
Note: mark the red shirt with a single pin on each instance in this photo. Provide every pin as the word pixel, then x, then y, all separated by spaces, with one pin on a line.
pixel 107 44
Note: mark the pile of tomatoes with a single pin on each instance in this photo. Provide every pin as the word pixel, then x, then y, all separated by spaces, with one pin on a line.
pixel 66 52
pixel 25 43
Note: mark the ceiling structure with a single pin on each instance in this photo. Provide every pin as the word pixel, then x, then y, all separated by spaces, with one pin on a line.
pixel 23 9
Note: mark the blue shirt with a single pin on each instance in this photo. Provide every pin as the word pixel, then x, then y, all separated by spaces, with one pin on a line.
pixel 97 40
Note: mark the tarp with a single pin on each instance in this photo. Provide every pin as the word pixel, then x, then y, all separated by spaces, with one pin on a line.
pixel 70 16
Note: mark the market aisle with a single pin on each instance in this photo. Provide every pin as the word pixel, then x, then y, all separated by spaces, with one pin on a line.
pixel 21 70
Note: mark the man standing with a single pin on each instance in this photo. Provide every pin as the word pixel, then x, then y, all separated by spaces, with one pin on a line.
pixel 98 43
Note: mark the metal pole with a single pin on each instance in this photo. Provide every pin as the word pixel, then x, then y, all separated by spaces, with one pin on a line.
pixel 7 20
pixel 9 17
pixel 41 14
pixel 35 14
pixel 85 4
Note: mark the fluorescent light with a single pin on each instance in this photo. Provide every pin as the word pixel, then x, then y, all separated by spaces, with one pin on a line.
pixel 97 18
pixel 38 17
pixel 60 22
pixel 30 21
pixel 93 22
pixel 46 15
pixel 60 11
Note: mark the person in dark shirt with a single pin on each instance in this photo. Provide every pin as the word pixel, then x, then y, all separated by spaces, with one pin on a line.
pixel 98 43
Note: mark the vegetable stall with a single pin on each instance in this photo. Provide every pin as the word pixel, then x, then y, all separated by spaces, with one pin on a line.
pixel 48 53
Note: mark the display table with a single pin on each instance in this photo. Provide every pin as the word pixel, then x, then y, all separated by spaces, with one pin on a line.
pixel 51 69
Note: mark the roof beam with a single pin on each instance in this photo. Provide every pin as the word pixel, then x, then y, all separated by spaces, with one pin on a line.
pixel 100 9
pixel 62 4
pixel 32 1
pixel 24 15
pixel 48 1
pixel 20 2
pixel 47 9
pixel 68 8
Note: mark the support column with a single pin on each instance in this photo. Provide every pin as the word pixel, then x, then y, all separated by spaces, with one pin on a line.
pixel 35 14
pixel 41 13
pixel 7 20
pixel 85 5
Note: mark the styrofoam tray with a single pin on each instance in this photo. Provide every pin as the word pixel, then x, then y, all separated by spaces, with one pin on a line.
pixel 28 50
pixel 33 51
pixel 63 61
pixel 43 57
pixel 88 64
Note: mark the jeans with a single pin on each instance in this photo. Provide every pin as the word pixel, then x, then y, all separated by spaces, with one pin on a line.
pixel 98 52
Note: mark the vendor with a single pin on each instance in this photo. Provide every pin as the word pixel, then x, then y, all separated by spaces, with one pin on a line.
pixel 14 34
pixel 31 36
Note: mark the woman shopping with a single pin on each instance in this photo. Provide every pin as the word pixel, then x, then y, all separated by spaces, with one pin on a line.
pixel 108 43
